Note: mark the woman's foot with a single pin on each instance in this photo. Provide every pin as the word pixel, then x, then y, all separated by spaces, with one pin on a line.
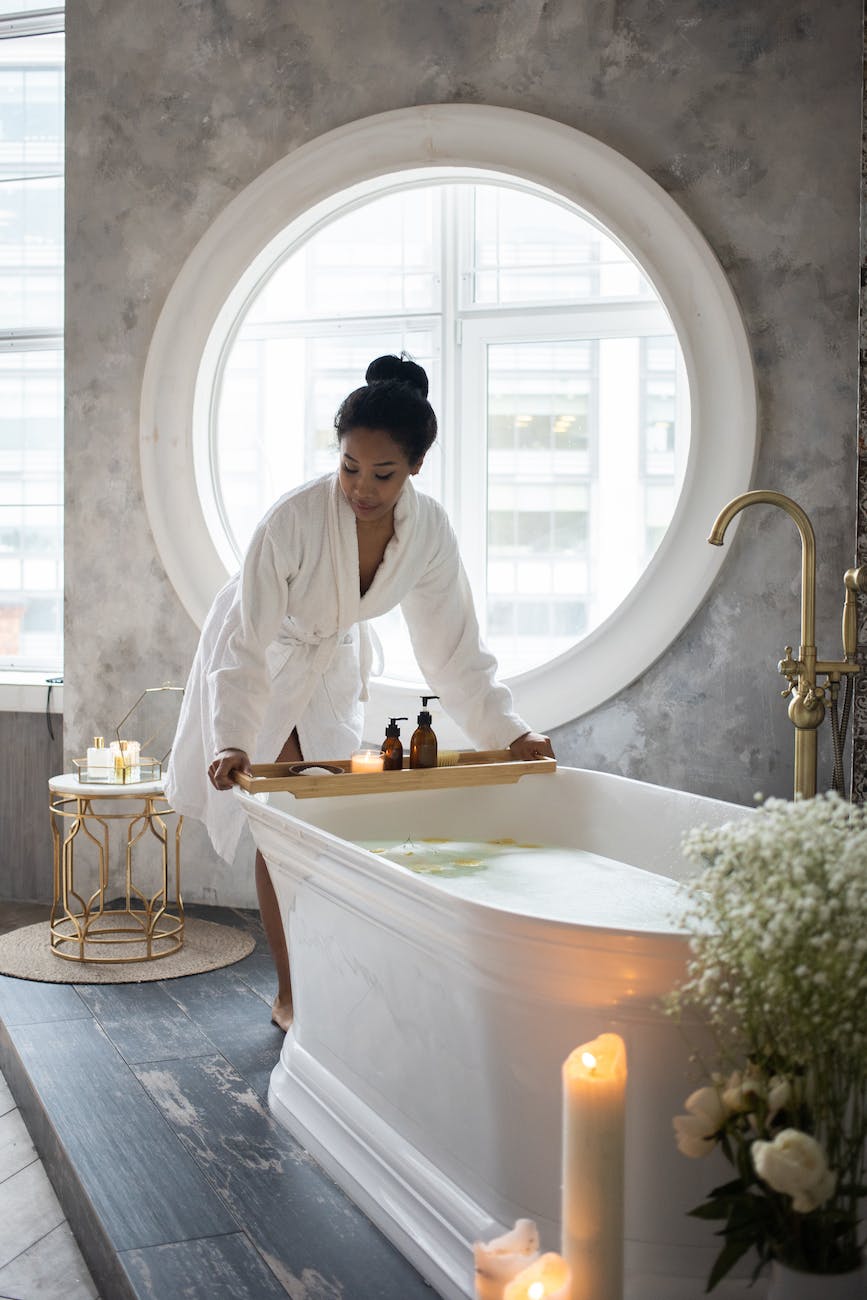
pixel 281 1011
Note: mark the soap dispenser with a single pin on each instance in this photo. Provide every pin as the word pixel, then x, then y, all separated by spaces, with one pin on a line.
pixel 423 745
pixel 392 749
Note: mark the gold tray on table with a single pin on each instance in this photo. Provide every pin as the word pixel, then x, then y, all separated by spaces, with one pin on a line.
pixel 309 781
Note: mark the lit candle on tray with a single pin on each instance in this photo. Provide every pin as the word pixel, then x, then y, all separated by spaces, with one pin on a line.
pixel 594 1094
pixel 547 1278
pixel 366 760
pixel 502 1259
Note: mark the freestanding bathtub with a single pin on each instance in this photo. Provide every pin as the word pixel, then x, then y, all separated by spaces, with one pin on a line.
pixel 423 1067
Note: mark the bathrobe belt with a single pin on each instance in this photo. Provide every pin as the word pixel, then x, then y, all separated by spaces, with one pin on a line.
pixel 371 659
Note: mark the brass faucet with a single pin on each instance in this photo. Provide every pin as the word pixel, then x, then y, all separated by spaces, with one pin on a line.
pixel 807 706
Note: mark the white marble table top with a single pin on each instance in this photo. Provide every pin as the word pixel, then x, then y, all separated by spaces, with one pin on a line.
pixel 69 784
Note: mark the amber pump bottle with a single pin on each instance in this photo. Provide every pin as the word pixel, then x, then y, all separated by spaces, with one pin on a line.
pixel 423 745
pixel 392 749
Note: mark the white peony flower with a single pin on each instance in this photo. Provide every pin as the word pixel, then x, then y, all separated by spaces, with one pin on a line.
pixel 695 1133
pixel 779 1094
pixel 742 1090
pixel 794 1164
pixel 811 1198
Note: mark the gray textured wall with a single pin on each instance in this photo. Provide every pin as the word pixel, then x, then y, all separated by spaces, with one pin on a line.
pixel 747 114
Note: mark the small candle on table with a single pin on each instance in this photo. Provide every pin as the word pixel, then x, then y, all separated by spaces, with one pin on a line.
pixel 366 760
pixel 547 1278
pixel 594 1094
pixel 498 1261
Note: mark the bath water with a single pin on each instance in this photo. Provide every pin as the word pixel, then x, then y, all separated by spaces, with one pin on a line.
pixel 544 880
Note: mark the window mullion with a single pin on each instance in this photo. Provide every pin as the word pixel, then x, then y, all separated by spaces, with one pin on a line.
pixel 37 22
pixel 336 325
pixel 576 319
pixel 35 340
pixel 468 488
pixel 450 418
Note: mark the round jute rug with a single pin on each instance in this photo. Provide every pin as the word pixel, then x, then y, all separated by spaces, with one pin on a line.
pixel 26 954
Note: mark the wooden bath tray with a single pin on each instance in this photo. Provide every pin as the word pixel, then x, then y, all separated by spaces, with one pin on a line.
pixel 473 767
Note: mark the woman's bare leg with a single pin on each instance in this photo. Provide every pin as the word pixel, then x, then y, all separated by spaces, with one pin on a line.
pixel 272 922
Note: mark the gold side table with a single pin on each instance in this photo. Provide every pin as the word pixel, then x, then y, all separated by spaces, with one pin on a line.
pixel 148 925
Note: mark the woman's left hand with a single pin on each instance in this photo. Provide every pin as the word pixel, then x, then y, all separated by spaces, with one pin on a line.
pixel 531 745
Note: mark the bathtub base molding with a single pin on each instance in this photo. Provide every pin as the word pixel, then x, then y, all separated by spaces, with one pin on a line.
pixel 422 1212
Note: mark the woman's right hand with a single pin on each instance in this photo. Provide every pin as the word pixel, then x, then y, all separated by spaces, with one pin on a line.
pixel 227 762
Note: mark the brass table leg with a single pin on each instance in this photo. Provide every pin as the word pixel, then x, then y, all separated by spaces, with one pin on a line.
pixel 144 924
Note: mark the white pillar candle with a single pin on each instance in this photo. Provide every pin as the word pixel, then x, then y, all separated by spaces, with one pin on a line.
pixel 547 1278
pixel 498 1261
pixel 366 760
pixel 594 1093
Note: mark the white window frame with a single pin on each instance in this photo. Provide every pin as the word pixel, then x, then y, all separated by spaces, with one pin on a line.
pixel 478 330
pixel 23 690
pixel 303 190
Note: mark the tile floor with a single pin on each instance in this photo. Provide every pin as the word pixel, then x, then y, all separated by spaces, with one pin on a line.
pixel 39 1257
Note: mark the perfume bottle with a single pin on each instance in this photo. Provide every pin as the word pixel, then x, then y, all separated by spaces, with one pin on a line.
pixel 100 763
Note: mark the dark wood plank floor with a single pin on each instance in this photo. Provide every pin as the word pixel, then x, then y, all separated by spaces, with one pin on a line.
pixel 148 1104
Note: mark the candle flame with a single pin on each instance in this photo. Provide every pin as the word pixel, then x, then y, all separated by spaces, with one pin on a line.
pixel 597 1063
pixel 536 1291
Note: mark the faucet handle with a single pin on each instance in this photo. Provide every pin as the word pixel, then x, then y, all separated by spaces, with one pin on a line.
pixel 791 669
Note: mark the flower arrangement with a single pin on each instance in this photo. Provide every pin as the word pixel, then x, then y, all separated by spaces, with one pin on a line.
pixel 778 970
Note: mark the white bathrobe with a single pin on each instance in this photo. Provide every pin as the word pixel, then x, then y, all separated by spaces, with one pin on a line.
pixel 285 645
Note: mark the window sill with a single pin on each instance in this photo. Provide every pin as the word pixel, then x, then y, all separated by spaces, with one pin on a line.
pixel 27 693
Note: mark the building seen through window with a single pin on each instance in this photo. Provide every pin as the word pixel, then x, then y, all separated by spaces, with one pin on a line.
pixel 31 338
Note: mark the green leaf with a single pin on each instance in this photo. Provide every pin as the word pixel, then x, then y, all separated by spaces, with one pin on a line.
pixel 744 1166
pixel 728 1189
pixel 741 1230
pixel 711 1210
pixel 754 1277
pixel 757 1209
pixel 731 1252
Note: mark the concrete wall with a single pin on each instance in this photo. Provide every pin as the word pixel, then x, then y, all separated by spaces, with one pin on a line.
pixel 748 115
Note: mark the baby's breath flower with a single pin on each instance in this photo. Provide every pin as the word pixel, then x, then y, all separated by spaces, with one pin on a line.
pixel 777 918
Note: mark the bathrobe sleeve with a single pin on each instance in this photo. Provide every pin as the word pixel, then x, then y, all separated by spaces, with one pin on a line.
pixel 239 679
pixel 444 630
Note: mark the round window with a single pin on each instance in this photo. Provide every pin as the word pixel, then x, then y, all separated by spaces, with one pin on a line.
pixel 568 418
pixel 587 365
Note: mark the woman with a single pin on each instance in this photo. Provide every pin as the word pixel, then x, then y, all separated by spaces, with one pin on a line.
pixel 284 657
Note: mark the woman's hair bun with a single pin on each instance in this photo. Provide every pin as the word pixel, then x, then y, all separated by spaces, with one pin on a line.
pixel 401 368
pixel 394 400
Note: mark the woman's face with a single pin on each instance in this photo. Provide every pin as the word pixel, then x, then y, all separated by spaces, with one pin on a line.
pixel 373 470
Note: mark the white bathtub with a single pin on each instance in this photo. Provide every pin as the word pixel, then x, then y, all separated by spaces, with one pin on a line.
pixel 423 1068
